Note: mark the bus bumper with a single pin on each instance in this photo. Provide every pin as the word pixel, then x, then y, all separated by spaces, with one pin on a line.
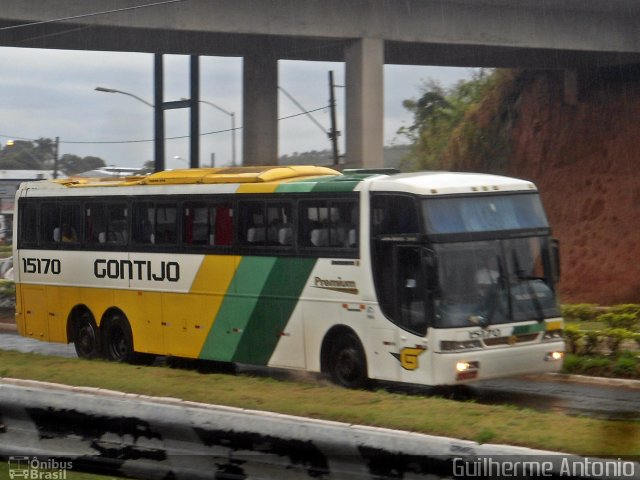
pixel 466 367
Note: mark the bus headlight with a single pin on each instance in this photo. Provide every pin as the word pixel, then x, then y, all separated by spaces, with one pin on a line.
pixel 453 346
pixel 467 370
pixel 554 356
pixel 553 335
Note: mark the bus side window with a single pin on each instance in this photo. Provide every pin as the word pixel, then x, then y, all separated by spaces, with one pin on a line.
pixel 331 224
pixel 279 229
pixel 223 231
pixel 166 224
pixel 95 223
pixel 60 223
pixel 29 224
pixel 393 214
pixel 207 224
pixel 144 223
pixel 252 223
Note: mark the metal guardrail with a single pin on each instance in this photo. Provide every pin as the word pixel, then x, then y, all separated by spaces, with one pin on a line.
pixel 63 427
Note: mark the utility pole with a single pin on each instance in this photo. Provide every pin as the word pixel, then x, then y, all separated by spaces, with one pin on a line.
pixel 333 133
pixel 55 157
pixel 158 112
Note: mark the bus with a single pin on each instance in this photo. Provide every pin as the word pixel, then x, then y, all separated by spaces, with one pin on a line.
pixel 428 278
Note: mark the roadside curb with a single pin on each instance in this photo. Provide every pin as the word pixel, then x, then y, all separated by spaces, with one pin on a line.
pixel 602 381
pixel 614 382
pixel 152 437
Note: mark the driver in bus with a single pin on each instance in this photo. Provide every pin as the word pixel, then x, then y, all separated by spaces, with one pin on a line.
pixel 487 279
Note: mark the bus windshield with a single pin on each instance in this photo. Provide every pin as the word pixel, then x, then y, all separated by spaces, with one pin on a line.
pixel 493 282
pixel 486 213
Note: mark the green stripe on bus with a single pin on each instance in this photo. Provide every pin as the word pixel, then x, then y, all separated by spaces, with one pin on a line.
pixel 237 307
pixel 342 183
pixel 295 187
pixel 524 329
pixel 341 186
pixel 273 310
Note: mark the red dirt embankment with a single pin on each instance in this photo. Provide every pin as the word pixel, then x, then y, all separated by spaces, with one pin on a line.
pixel 585 159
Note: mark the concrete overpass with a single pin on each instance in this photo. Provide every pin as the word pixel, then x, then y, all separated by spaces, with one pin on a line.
pixel 366 34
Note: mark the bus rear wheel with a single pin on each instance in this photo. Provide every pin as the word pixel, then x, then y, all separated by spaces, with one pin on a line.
pixel 118 340
pixel 348 363
pixel 86 338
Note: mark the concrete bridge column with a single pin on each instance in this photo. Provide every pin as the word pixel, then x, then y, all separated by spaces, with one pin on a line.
pixel 365 103
pixel 260 110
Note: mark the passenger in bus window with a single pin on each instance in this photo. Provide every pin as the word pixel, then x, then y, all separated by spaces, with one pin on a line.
pixel 68 234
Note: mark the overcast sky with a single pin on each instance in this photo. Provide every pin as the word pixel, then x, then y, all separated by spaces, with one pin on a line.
pixel 49 93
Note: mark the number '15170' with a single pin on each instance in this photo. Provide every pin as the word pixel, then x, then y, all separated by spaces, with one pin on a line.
pixel 41 265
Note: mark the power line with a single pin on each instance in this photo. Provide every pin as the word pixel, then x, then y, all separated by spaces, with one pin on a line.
pixel 86 15
pixel 179 137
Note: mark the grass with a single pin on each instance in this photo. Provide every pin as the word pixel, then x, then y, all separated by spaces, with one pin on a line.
pixel 431 415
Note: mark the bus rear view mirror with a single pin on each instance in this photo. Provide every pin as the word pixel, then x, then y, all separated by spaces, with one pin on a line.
pixel 555 259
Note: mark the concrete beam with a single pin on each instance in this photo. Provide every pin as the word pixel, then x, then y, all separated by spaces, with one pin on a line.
pixel 365 103
pixel 260 110
pixel 461 32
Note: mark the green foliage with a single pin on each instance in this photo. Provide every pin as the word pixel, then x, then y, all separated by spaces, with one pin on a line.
pixel 626 321
pixel 466 127
pixel 572 363
pixel 591 341
pixel 586 365
pixel 72 164
pixel 485 435
pixel 7 289
pixel 580 311
pixel 627 309
pixel 572 335
pixel 613 337
pixel 40 155
pixel 626 365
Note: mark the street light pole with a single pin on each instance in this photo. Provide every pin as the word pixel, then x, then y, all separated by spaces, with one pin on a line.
pixel 158 113
pixel 159 106
pixel 233 128
pixel 113 90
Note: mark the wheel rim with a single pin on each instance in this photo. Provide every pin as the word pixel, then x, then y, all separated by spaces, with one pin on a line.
pixel 118 347
pixel 348 366
pixel 86 341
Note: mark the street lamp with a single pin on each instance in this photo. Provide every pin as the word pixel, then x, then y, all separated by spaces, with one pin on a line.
pixel 112 90
pixel 233 128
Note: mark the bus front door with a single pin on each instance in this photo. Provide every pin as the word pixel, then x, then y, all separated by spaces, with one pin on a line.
pixel 410 312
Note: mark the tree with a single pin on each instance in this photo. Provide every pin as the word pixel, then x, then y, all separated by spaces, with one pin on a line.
pixel 40 155
pixel 22 155
pixel 459 128
pixel 73 164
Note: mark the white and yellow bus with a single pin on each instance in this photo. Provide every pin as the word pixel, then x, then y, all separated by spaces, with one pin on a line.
pixel 425 278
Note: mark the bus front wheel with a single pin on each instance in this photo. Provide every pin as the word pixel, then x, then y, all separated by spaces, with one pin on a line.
pixel 86 339
pixel 348 363
pixel 118 340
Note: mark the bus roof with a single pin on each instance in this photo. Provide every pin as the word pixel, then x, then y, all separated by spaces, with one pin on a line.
pixel 447 183
pixel 286 179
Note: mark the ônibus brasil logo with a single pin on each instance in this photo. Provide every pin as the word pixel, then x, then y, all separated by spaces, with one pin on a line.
pixel 32 468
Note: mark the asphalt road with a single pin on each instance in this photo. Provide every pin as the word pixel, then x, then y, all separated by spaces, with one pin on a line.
pixel 598 398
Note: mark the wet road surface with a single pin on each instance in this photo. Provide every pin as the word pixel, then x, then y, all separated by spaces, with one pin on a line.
pixel 618 400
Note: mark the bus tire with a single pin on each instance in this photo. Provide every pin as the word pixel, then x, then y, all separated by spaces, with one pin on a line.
pixel 118 340
pixel 348 364
pixel 86 336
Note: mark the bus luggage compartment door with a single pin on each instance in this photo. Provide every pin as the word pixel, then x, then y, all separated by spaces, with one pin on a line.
pixel 35 315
